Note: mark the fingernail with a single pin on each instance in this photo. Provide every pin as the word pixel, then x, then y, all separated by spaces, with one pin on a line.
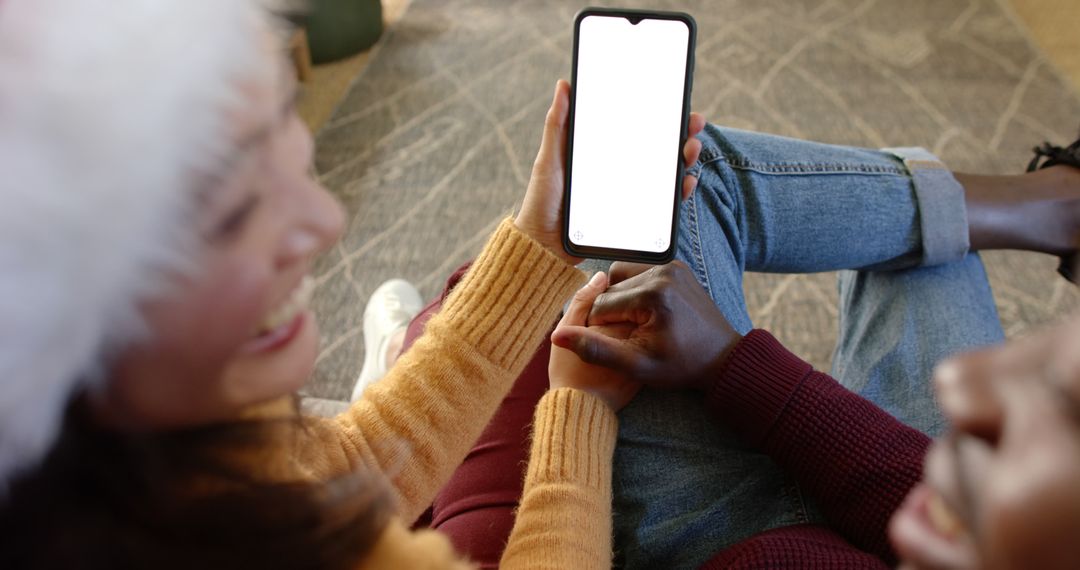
pixel 596 278
pixel 947 372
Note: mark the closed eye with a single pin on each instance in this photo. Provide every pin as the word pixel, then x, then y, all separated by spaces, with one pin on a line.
pixel 234 221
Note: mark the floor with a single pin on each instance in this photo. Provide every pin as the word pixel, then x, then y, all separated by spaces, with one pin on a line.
pixel 330 81
pixel 1051 30
pixel 1053 26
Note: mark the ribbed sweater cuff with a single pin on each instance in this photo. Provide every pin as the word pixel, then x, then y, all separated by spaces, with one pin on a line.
pixel 755 385
pixel 512 292
pixel 573 440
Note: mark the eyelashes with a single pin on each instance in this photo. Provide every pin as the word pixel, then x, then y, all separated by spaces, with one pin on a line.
pixel 233 223
pixel 236 219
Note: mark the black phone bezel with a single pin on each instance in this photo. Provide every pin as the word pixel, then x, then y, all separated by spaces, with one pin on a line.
pixel 625 254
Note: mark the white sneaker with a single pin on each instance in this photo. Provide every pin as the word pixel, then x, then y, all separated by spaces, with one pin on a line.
pixel 389 310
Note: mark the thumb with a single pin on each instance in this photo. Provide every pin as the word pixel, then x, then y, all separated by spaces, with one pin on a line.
pixel 554 140
pixel 597 348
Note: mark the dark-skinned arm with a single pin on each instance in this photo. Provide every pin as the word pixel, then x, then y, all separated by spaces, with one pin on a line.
pixel 855 459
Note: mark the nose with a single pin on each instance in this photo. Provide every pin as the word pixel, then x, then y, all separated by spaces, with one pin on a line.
pixel 967 394
pixel 314 218
pixel 319 222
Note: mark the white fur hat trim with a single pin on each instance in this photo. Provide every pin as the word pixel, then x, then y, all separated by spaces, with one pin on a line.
pixel 110 111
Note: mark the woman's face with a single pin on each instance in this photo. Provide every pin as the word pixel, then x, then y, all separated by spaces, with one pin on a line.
pixel 239 332
pixel 1003 490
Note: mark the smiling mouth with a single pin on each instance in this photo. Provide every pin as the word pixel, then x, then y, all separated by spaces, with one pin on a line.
pixel 929 529
pixel 927 534
pixel 942 518
pixel 946 482
pixel 287 311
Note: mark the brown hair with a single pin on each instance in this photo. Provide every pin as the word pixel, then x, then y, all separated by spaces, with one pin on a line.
pixel 104 499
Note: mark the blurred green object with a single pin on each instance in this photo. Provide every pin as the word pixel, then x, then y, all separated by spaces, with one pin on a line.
pixel 340 28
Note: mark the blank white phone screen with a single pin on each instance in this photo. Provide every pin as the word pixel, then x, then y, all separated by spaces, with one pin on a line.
pixel 627 122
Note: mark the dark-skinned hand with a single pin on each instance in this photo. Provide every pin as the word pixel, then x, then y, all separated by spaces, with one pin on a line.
pixel 675 336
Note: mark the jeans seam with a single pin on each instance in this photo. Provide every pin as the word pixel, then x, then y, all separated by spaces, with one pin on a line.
pixel 802 513
pixel 794 168
pixel 695 246
pixel 708 156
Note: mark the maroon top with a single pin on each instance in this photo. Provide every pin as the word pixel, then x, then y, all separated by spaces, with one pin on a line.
pixel 856 460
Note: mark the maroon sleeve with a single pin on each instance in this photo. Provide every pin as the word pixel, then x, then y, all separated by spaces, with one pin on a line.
pixel 855 459
pixel 802 546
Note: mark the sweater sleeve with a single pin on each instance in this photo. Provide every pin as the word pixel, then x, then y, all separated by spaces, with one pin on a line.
pixel 416 425
pixel 799 546
pixel 855 459
pixel 564 520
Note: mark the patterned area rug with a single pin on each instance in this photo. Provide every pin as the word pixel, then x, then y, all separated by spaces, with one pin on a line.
pixel 433 144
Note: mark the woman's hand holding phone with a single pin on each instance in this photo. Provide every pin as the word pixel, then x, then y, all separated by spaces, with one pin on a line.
pixel 541 213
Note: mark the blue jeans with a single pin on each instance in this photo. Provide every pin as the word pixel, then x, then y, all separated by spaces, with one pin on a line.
pixel 911 294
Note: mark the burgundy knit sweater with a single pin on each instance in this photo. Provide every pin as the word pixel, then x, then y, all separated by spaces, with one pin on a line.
pixel 856 460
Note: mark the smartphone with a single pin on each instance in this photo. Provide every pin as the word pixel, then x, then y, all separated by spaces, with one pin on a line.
pixel 629 107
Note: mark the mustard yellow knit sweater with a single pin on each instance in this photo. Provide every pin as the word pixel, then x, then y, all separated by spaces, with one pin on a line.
pixel 416 425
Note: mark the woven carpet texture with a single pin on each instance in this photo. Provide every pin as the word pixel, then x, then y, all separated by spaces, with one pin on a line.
pixel 433 144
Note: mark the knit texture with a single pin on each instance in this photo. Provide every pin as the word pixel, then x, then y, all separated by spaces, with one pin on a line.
pixel 803 547
pixel 564 520
pixel 853 458
pixel 416 425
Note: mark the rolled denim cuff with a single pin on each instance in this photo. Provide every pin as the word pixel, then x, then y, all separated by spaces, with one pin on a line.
pixel 942 213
